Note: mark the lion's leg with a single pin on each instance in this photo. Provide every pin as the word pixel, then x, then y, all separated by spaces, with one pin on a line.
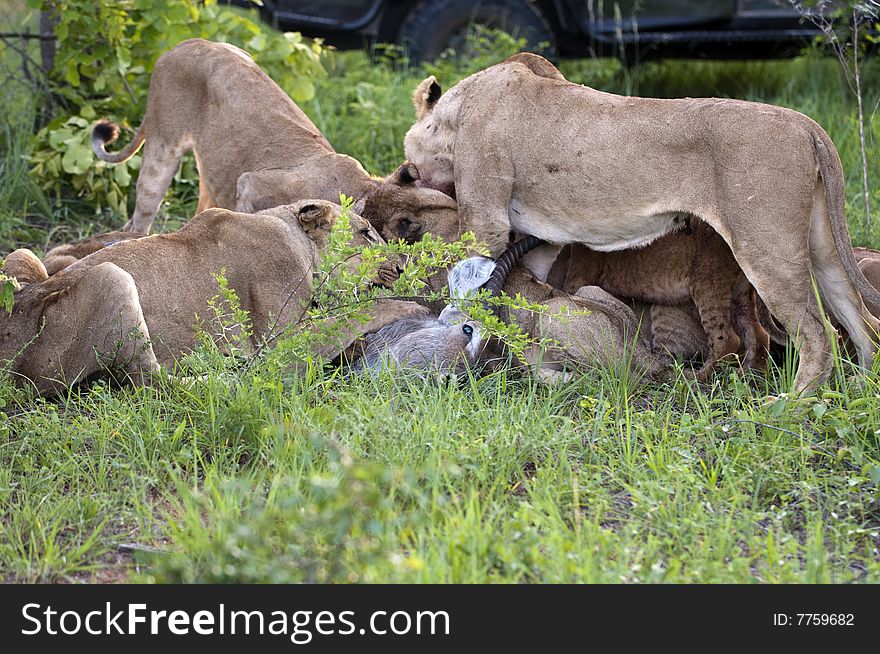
pixel 483 205
pixel 836 288
pixel 714 306
pixel 788 292
pixel 870 268
pixel 205 199
pixel 756 340
pixel 713 278
pixel 160 163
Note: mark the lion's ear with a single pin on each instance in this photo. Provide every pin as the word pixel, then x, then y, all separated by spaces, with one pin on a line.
pixel 406 175
pixel 426 95
pixel 315 219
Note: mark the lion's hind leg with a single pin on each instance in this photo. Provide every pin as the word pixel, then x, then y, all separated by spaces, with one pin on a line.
pixel 836 289
pixel 160 163
pixel 205 199
pixel 787 291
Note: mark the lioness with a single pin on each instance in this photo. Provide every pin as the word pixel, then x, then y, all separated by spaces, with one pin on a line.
pixel 525 149
pixel 677 268
pixel 406 212
pixel 118 308
pixel 213 99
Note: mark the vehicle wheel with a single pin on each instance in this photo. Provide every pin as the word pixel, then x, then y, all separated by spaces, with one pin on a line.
pixel 435 25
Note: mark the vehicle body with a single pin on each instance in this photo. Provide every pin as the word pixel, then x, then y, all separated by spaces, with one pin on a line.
pixel 633 29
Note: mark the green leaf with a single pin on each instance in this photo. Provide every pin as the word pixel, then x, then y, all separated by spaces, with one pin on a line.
pixel 302 89
pixel 122 176
pixel 77 159
pixel 72 74
pixel 7 290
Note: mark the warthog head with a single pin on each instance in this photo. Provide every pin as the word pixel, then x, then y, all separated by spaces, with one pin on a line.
pixel 448 343
pixel 452 341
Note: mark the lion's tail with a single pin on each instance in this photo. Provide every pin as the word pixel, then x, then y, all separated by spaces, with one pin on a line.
pixel 106 132
pixel 830 170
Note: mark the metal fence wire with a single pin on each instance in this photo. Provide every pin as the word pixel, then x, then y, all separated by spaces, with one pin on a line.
pixel 27 50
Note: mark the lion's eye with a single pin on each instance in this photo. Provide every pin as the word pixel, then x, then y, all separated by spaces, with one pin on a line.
pixel 468 330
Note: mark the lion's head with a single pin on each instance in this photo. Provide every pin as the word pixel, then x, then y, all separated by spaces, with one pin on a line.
pixel 317 218
pixel 431 138
pixel 401 209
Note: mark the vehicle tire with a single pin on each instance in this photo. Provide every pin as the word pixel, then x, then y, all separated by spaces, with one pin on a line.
pixel 434 25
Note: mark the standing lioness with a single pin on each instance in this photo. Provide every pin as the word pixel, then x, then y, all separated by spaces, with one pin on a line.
pixel 254 148
pixel 525 149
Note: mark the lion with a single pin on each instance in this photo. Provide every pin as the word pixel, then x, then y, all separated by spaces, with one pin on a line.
pixel 695 268
pixel 137 304
pixel 584 329
pixel 868 261
pixel 254 148
pixel 523 149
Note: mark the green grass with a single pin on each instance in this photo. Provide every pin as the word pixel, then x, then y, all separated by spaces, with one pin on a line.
pixel 266 476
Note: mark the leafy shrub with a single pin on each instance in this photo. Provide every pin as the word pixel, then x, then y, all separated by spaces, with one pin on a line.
pixel 105 54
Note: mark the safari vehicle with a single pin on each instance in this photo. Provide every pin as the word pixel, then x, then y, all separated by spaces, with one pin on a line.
pixel 634 29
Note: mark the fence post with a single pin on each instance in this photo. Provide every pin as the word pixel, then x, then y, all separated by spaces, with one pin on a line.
pixel 48 20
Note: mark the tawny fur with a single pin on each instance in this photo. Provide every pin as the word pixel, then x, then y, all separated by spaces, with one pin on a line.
pixel 64 255
pixel 678 268
pixel 607 334
pixel 158 289
pixel 529 151
pixel 254 147
pixel 869 263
